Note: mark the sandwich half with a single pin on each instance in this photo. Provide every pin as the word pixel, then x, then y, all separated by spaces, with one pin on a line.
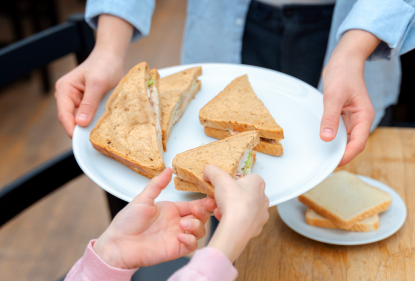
pixel 129 130
pixel 176 92
pixel 234 155
pixel 238 109
pixel 267 146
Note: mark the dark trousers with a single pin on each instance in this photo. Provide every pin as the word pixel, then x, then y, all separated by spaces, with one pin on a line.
pixel 291 39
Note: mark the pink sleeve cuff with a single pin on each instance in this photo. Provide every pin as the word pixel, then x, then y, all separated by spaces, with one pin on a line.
pixel 96 269
pixel 210 264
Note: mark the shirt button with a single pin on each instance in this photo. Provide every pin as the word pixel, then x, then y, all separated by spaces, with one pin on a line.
pixel 239 21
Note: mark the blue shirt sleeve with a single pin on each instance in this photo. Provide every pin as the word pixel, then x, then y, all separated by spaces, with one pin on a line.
pixel 136 12
pixel 392 21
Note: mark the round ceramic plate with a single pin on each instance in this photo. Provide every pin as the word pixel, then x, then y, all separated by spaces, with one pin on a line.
pixel 296 107
pixel 292 213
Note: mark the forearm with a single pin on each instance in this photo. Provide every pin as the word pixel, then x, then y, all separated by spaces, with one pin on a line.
pixel 229 239
pixel 356 43
pixel 113 35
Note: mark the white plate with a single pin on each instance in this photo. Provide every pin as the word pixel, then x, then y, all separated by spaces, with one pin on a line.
pixel 296 106
pixel 292 213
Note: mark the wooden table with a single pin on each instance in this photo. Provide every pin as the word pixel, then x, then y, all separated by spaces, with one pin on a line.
pixel 279 253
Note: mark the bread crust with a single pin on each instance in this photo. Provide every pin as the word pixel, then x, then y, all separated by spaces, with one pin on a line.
pixel 274 149
pixel 193 171
pixel 360 226
pixel 171 88
pixel 228 109
pixel 339 222
pixel 167 127
pixel 182 185
pixel 102 135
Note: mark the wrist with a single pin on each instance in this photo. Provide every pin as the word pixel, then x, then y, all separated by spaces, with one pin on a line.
pixel 230 238
pixel 358 44
pixel 109 252
pixel 113 36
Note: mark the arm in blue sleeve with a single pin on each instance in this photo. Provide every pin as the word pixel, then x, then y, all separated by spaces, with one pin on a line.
pixel 137 12
pixel 392 21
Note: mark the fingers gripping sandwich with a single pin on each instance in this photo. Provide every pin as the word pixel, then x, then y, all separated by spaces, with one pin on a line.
pixel 237 109
pixel 129 130
pixel 234 155
pixel 176 92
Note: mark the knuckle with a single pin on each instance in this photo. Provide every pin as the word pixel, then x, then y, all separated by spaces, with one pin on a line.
pixel 361 146
pixel 331 118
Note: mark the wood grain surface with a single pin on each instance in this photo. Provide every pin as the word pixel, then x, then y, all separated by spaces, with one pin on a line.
pixel 281 254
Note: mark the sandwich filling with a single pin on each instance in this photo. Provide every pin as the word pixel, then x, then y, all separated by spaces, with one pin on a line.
pixel 153 99
pixel 183 102
pixel 245 165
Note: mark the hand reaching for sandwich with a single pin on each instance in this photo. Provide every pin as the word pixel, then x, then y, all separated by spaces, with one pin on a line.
pixel 242 208
pixel 145 233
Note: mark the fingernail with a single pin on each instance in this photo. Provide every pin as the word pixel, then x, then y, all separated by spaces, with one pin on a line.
pixel 327 133
pixel 186 224
pixel 83 117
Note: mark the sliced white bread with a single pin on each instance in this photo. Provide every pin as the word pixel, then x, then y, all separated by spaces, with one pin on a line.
pixel 366 225
pixel 344 199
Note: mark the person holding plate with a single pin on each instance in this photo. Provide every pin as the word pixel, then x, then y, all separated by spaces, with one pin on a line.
pixel 361 76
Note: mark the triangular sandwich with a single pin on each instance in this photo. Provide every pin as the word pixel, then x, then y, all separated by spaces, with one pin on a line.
pixel 129 130
pixel 176 92
pixel 238 109
pixel 233 155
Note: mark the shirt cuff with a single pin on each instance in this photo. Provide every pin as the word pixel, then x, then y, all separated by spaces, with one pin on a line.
pixel 389 20
pixel 137 13
pixel 96 269
pixel 213 264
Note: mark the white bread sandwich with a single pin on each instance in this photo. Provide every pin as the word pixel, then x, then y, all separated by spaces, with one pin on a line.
pixel 129 130
pixel 344 199
pixel 234 155
pixel 366 225
pixel 238 109
pixel 176 92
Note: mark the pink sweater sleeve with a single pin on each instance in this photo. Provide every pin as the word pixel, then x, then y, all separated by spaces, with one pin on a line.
pixel 207 264
pixel 91 267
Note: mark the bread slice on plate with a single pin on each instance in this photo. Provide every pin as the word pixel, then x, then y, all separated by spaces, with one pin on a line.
pixel 183 185
pixel 129 130
pixel 239 109
pixel 366 225
pixel 344 199
pixel 176 92
pixel 233 155
pixel 267 146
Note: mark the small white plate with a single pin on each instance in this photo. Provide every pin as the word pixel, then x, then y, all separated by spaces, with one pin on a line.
pixel 292 213
pixel 296 106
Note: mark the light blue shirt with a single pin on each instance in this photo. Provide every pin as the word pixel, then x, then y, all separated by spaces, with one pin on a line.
pixel 214 30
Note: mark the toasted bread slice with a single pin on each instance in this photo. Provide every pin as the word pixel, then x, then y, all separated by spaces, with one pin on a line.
pixel 267 146
pixel 183 185
pixel 176 92
pixel 129 130
pixel 227 154
pixel 366 225
pixel 344 199
pixel 238 108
